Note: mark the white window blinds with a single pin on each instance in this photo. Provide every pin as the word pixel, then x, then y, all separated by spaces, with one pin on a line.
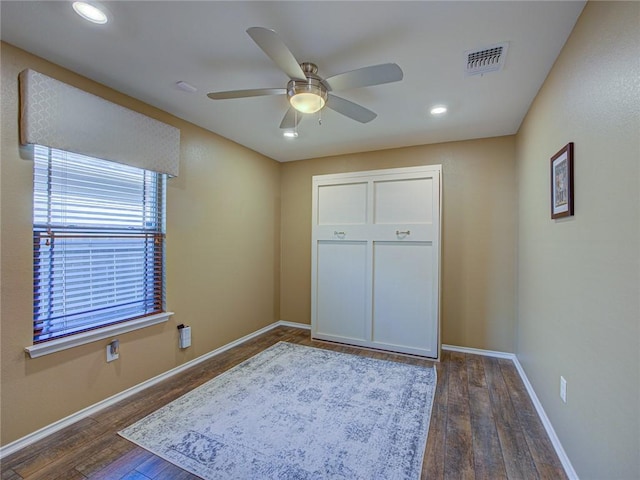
pixel 98 243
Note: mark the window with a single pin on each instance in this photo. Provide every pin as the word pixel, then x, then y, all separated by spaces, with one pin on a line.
pixel 98 243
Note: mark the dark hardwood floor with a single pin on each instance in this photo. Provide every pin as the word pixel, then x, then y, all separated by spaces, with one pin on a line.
pixel 483 424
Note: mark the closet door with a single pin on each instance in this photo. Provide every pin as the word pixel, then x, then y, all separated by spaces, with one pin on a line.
pixel 375 259
pixel 340 261
pixel 405 261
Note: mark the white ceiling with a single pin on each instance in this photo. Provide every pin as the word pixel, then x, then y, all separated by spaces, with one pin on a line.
pixel 148 46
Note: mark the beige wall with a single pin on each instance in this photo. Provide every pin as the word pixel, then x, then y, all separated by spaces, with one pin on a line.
pixel 478 234
pixel 222 265
pixel 578 281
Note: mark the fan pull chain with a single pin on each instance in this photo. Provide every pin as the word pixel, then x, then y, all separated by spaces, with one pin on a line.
pixel 320 117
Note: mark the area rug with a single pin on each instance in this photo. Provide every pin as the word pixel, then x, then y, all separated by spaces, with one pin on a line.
pixel 296 412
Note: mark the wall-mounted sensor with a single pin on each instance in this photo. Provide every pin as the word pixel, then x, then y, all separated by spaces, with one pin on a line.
pixel 186 87
pixel 185 336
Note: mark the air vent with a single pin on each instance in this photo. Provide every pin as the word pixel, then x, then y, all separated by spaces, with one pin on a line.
pixel 487 59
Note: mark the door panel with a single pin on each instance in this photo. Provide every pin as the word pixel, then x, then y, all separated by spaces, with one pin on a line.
pixel 341 290
pixel 402 295
pixel 403 201
pixel 344 204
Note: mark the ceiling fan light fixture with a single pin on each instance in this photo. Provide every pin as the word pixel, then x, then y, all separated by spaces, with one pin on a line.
pixel 307 102
pixel 307 97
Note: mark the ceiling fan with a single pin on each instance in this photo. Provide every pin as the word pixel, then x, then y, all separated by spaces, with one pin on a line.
pixel 306 91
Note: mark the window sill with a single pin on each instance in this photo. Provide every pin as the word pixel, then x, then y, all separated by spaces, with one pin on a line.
pixel 71 341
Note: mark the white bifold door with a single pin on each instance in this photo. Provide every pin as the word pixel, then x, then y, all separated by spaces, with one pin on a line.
pixel 376 259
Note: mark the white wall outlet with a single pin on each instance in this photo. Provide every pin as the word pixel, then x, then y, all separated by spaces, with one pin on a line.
pixel 563 389
pixel 185 337
pixel 113 351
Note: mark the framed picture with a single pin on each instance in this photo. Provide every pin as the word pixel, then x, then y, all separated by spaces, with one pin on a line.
pixel 562 182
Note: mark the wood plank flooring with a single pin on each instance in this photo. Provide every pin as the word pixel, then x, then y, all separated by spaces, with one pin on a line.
pixel 483 424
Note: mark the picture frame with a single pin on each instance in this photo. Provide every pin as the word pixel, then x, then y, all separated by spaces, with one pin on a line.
pixel 562 182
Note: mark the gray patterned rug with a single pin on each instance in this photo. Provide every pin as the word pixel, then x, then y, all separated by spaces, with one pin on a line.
pixel 296 412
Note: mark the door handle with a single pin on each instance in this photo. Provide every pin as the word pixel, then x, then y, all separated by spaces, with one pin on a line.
pixel 339 234
pixel 406 232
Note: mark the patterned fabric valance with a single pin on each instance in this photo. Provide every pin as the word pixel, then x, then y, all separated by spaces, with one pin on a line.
pixel 57 115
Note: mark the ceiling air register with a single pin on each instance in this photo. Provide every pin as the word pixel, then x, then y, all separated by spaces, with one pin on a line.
pixel 485 60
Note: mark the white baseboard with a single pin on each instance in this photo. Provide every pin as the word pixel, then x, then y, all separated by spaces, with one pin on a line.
pixel 555 441
pixel 562 455
pixel 285 323
pixel 478 351
pixel 92 409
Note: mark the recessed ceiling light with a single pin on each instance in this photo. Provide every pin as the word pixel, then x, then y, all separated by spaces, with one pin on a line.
pixel 90 12
pixel 438 110
pixel 290 134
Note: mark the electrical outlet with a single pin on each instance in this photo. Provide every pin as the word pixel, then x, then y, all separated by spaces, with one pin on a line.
pixel 113 351
pixel 563 389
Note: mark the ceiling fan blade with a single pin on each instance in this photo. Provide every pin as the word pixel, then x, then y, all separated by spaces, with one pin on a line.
pixel 350 109
pixel 291 119
pixel 365 77
pixel 256 92
pixel 271 44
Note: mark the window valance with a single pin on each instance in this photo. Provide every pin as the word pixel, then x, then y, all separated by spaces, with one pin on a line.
pixel 60 116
